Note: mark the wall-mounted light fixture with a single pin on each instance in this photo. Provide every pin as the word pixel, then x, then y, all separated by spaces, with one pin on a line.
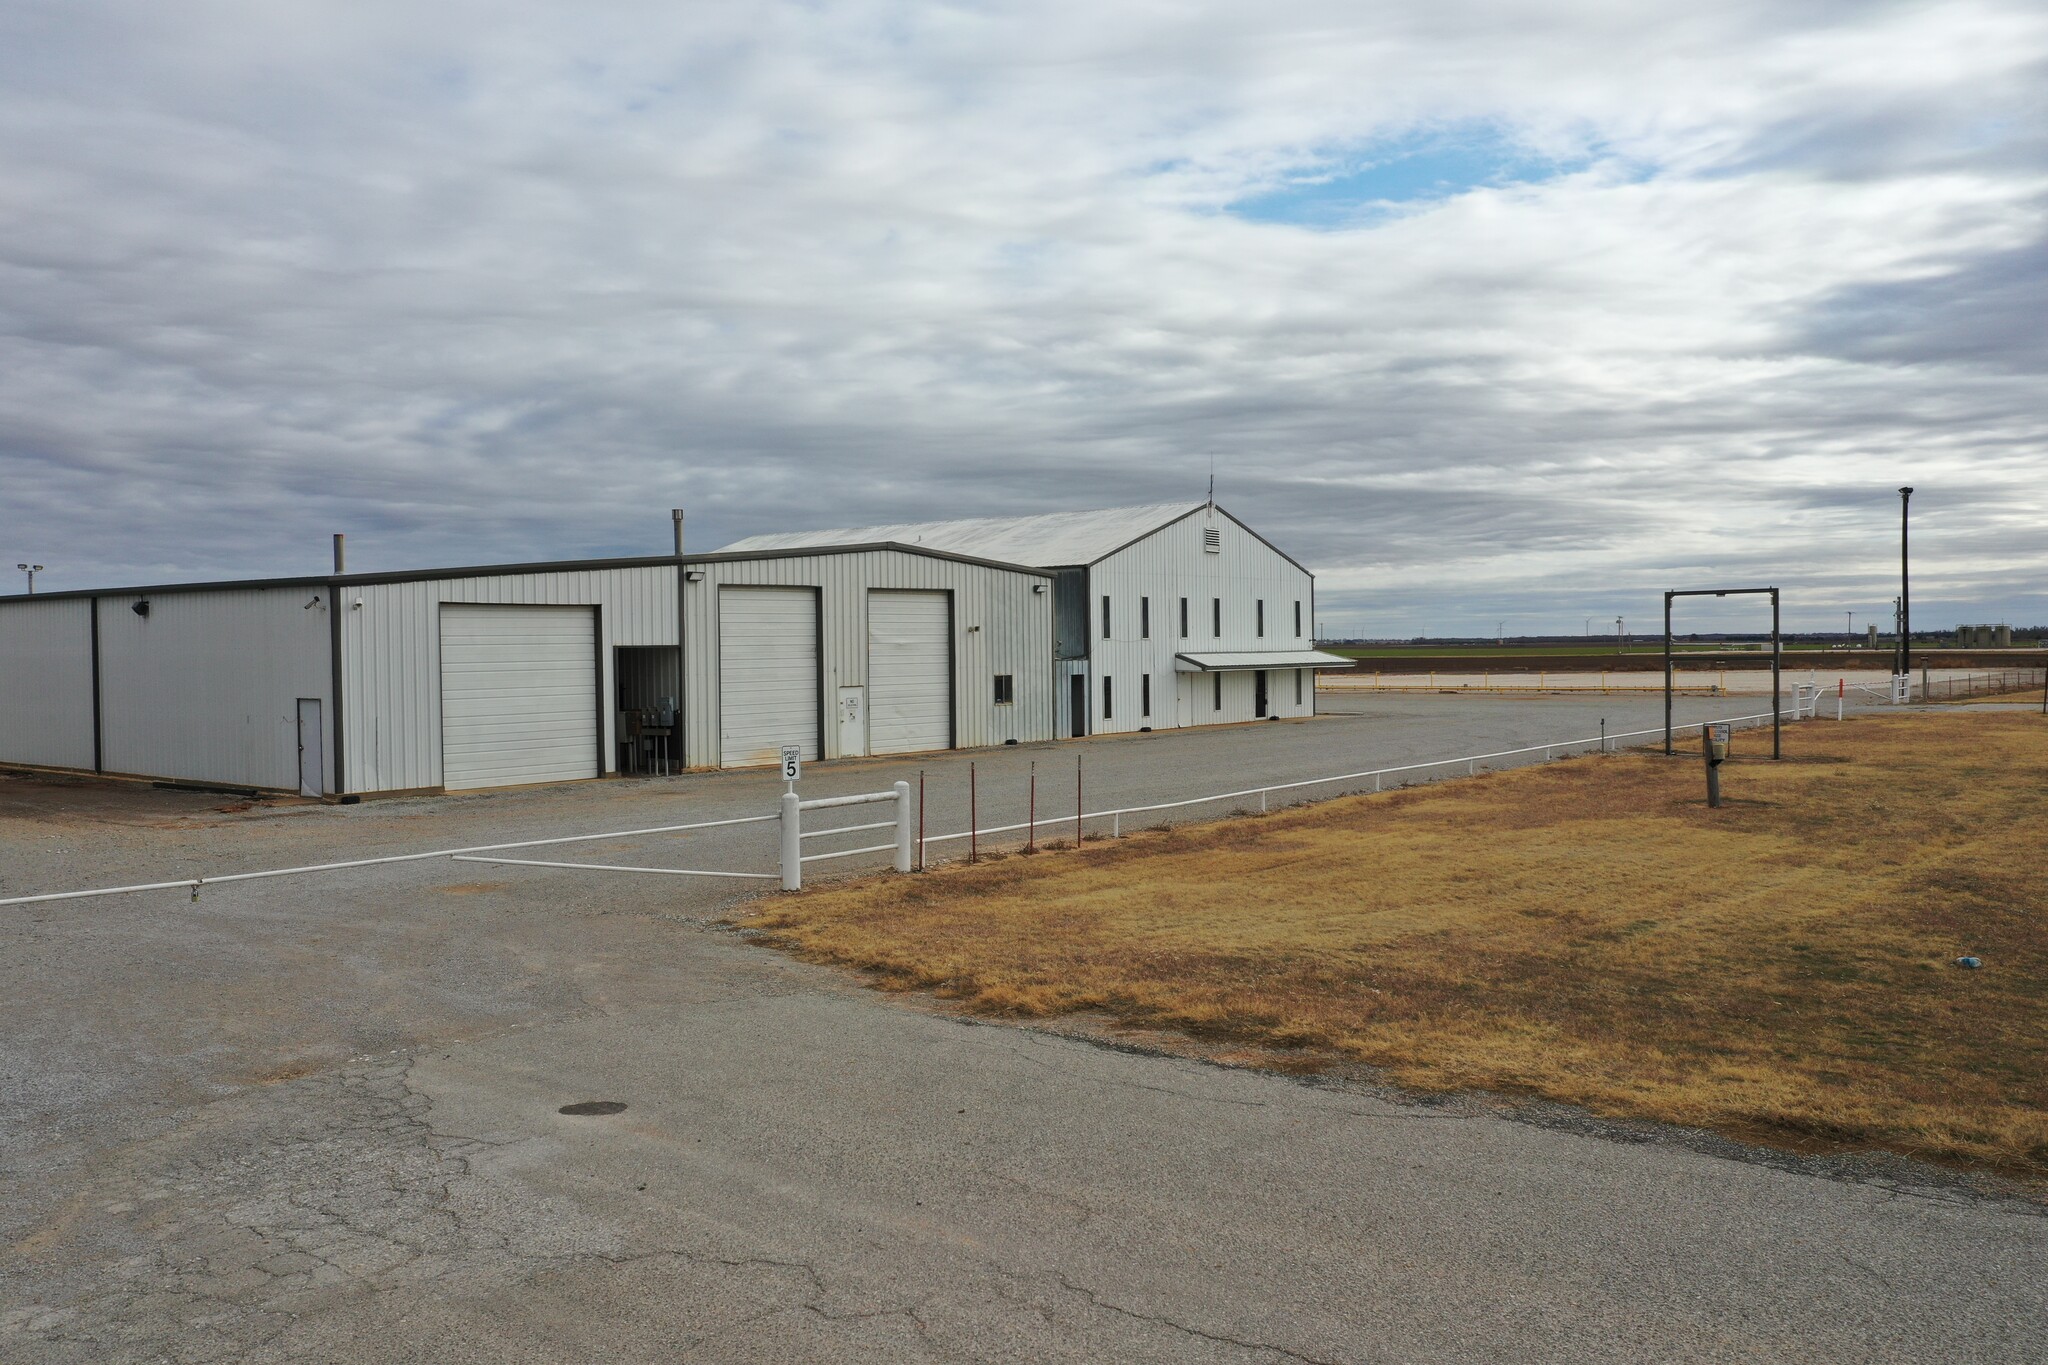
pixel 312 604
pixel 693 575
pixel 1038 588
pixel 141 608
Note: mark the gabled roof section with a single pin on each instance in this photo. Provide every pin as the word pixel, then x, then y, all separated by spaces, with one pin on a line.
pixel 1048 540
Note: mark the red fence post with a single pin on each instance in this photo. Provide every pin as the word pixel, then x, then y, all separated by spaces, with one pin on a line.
pixel 1077 800
pixel 1031 816
pixel 920 819
pixel 973 820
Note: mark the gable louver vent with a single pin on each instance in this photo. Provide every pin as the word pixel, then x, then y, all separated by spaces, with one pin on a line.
pixel 1212 539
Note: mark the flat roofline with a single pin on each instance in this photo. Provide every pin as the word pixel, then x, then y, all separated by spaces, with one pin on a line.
pixel 494 570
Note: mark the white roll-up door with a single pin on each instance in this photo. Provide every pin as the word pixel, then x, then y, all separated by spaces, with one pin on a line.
pixel 518 695
pixel 910 672
pixel 767 674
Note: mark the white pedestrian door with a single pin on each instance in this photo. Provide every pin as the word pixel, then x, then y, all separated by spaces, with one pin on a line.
pixel 518 695
pixel 910 671
pixel 768 693
pixel 312 748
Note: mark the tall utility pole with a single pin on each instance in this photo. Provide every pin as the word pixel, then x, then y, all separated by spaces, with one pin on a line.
pixel 1852 630
pixel 1500 632
pixel 31 570
pixel 1905 597
pixel 1620 637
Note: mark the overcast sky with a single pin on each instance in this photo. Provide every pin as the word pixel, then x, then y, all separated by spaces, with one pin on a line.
pixel 1483 311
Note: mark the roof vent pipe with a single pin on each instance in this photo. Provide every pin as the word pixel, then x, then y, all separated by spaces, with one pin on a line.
pixel 340 553
pixel 676 514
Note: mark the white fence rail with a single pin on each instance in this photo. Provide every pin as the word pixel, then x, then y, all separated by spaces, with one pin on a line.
pixel 910 842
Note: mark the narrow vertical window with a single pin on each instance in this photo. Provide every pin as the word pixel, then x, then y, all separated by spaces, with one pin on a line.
pixel 1145 696
pixel 1297 687
pixel 1217 678
pixel 1216 617
pixel 1105 616
pixel 1262 618
pixel 1297 618
pixel 1144 618
pixel 1108 708
pixel 1183 618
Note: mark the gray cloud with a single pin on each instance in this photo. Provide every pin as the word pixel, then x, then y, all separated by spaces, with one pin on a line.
pixel 482 283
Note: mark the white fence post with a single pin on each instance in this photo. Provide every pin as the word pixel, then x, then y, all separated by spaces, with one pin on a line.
pixel 903 835
pixel 792 843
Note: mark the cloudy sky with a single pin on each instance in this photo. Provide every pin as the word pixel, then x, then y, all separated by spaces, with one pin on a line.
pixel 1485 311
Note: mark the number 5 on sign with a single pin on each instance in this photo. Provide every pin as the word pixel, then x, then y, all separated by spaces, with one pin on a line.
pixel 792 762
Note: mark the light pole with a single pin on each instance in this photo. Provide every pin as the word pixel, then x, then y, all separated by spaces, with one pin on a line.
pixel 1905 599
pixel 1852 630
pixel 1620 636
pixel 31 570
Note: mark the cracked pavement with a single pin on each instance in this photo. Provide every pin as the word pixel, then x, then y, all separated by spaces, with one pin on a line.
pixel 317 1120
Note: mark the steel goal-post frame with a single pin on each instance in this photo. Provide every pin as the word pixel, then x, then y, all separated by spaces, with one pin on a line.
pixel 1777 659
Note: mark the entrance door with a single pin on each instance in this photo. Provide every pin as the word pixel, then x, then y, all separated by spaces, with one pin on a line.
pixel 1077 703
pixel 853 723
pixel 312 748
pixel 1259 695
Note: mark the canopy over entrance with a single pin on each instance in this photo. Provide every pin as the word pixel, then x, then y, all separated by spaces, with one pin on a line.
pixel 1240 660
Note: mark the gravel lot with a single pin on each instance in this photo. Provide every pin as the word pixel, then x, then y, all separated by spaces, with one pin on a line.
pixel 316 1119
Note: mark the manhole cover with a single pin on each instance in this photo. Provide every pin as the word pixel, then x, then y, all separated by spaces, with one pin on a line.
pixel 583 1108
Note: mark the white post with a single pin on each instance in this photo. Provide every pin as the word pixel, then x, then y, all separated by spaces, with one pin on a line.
pixel 903 828
pixel 792 843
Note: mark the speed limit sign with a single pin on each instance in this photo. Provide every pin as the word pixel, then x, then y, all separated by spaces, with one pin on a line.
pixel 792 762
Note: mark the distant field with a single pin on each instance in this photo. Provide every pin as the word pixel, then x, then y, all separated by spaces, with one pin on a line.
pixel 1780 969
pixel 1547 651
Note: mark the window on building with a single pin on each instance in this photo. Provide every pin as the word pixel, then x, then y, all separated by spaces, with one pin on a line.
pixel 1297 687
pixel 1216 617
pixel 1105 616
pixel 1144 618
pixel 1108 707
pixel 1217 678
pixel 1183 618
pixel 1297 618
pixel 1262 618
pixel 1006 689
pixel 1145 695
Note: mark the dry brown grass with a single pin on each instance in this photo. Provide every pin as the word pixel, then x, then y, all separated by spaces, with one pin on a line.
pixel 1586 931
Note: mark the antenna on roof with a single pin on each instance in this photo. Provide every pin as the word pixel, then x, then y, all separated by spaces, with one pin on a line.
pixel 1212 483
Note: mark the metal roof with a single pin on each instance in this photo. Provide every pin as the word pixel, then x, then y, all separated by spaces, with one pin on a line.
pixel 1047 540
pixel 494 570
pixel 1230 660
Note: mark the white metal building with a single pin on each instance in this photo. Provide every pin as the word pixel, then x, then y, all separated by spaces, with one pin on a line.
pixel 1170 615
pixel 451 680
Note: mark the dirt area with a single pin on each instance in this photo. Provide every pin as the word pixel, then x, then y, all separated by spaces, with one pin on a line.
pixel 1588 932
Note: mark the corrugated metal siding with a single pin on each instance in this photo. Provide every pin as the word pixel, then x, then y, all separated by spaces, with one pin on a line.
pixel 205 688
pixel 46 683
pixel 1166 567
pixel 391 647
pixel 1014 637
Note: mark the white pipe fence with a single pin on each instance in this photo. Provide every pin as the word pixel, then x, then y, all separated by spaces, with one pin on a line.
pixel 1805 707
pixel 909 844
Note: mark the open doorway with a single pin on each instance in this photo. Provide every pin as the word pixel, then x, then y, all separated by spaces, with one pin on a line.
pixel 647 680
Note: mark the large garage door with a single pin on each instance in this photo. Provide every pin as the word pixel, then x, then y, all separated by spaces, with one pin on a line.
pixel 518 695
pixel 767 674
pixel 910 672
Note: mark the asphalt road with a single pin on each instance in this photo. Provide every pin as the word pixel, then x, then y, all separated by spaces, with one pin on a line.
pixel 317 1119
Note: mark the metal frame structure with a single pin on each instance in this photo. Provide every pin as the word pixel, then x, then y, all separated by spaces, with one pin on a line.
pixel 1777 659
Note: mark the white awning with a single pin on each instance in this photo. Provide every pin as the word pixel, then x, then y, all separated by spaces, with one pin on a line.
pixel 1257 658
